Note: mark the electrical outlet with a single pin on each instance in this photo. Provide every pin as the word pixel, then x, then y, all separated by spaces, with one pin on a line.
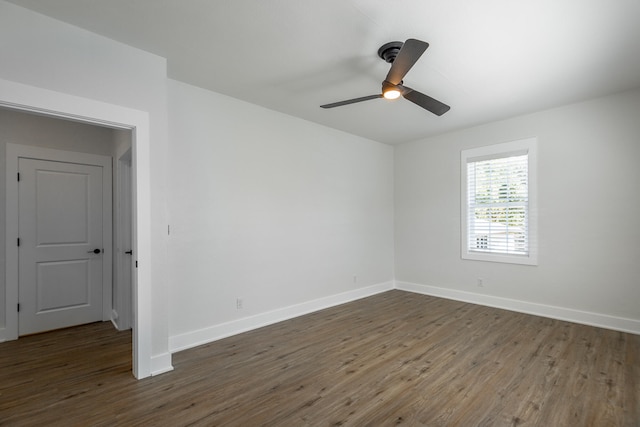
pixel 480 282
pixel 239 303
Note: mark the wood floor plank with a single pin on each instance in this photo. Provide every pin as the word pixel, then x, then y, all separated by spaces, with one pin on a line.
pixel 392 359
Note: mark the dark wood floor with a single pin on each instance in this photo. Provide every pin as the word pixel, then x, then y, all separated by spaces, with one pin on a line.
pixel 395 358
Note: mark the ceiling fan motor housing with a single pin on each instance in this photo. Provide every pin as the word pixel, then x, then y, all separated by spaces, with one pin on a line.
pixel 389 51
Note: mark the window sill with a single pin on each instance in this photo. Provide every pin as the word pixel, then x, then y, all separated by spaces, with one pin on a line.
pixel 502 258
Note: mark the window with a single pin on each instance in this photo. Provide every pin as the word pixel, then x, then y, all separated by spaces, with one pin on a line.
pixel 499 203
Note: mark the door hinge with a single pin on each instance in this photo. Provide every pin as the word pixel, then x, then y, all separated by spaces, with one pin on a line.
pixel 18 176
pixel 18 307
pixel 136 264
pixel 18 241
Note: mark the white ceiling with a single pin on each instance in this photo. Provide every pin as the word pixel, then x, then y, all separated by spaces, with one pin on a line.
pixel 488 60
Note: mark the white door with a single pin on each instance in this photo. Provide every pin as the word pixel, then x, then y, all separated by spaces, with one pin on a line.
pixel 60 246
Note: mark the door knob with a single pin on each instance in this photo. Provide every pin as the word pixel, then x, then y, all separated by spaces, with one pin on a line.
pixel 95 251
pixel 129 252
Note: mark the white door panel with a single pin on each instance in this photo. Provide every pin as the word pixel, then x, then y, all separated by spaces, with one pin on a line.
pixel 62 284
pixel 60 278
pixel 61 201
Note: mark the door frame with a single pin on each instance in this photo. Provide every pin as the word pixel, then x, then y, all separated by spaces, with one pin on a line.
pixel 121 298
pixel 22 97
pixel 15 152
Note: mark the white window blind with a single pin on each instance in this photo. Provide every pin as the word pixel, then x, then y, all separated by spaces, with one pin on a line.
pixel 498 199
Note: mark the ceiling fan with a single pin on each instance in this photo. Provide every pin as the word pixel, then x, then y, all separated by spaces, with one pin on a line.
pixel 401 56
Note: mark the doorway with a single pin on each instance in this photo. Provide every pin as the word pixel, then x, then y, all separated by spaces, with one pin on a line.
pixel 54 104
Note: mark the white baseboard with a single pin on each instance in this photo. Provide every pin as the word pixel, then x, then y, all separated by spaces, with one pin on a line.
pixel 224 330
pixel 570 315
pixel 161 363
pixel 114 319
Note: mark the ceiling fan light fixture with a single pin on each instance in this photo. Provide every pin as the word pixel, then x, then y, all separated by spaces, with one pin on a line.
pixel 391 94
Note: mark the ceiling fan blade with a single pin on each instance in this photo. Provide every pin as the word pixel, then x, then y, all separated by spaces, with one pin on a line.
pixel 409 54
pixel 351 101
pixel 424 101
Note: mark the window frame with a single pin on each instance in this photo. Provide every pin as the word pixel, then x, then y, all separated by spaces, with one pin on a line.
pixel 527 146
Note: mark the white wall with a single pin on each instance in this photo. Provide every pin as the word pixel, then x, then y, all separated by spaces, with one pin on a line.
pixel 589 206
pixel 269 208
pixel 19 127
pixel 45 53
